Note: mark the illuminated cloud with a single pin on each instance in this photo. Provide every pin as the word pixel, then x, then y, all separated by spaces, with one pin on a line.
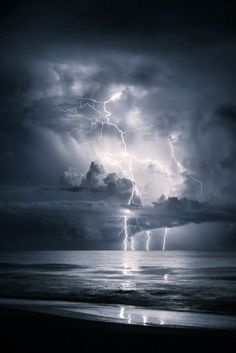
pixel 157 80
pixel 99 185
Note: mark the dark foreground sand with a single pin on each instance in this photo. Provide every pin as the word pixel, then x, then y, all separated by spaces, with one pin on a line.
pixel 23 331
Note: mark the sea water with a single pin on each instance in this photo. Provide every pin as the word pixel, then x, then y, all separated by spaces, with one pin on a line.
pixel 169 281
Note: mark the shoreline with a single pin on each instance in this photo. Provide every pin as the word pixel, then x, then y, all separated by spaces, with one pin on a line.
pixel 29 331
pixel 125 314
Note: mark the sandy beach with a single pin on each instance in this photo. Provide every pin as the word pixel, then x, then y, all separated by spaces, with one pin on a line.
pixel 26 331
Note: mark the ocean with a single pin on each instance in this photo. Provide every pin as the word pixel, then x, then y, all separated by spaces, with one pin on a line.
pixel 202 283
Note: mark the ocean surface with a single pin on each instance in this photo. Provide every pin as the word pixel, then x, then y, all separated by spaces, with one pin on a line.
pixel 169 281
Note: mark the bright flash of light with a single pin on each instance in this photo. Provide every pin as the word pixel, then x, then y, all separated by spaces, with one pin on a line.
pixel 104 118
pixel 165 237
pixel 116 96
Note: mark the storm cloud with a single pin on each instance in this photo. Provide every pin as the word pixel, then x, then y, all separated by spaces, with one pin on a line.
pixel 97 184
pixel 174 65
pixel 45 220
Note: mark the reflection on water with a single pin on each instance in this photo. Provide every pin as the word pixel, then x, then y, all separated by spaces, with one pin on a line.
pixel 145 317
pixel 130 263
pixel 130 267
pixel 183 281
pixel 127 286
pixel 126 314
pixel 121 314
pixel 144 320
pixel 166 276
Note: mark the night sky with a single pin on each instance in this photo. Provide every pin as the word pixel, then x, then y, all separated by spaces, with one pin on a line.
pixel 166 73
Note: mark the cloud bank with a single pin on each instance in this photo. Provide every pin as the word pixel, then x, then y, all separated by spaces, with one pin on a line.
pixel 79 223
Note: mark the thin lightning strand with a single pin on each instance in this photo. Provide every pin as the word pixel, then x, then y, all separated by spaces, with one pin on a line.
pixel 164 241
pixel 148 239
pixel 126 234
pixel 183 169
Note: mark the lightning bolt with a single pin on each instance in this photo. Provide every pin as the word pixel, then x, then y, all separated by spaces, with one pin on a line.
pixel 127 238
pixel 182 168
pixel 103 117
pixel 148 239
pixel 165 237
pixel 125 229
pixel 105 114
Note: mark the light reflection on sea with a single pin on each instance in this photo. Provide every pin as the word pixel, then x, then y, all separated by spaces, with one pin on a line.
pixel 172 280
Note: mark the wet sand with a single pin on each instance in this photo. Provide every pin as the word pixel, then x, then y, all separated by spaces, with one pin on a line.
pixel 24 331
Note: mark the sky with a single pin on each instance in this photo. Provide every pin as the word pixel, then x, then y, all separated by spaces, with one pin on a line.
pixel 118 119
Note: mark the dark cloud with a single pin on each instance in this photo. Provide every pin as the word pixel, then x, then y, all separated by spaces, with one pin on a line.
pixel 214 149
pixel 192 211
pixel 177 64
pixel 59 224
pixel 173 212
pixel 227 115
pixel 60 18
pixel 81 224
